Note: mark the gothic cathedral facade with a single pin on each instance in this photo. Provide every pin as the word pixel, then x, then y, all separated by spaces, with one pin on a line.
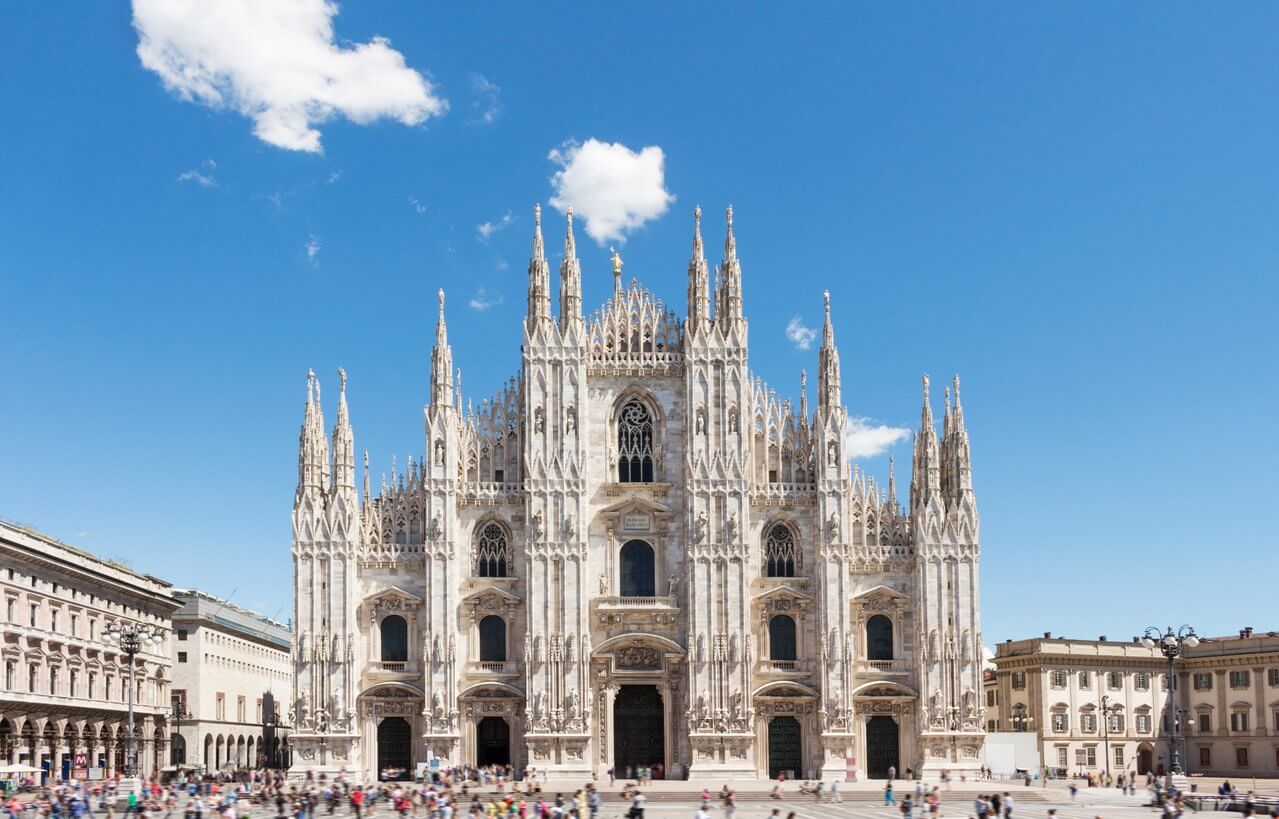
pixel 636 555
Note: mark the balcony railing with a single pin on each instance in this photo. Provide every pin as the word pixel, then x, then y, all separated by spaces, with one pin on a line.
pixel 657 602
pixel 784 665
pixel 883 666
pixel 497 666
pixel 388 665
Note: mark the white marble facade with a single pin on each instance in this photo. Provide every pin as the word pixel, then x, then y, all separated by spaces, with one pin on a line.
pixel 636 553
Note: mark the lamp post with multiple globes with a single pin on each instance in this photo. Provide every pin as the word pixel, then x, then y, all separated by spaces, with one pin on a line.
pixel 131 638
pixel 1172 644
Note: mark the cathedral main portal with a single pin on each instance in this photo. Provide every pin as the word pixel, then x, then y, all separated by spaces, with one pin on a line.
pixel 639 729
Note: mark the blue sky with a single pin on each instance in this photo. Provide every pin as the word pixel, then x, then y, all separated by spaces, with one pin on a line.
pixel 1074 207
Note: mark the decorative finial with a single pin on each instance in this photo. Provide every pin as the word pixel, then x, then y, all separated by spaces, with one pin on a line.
pixel 537 217
pixel 440 295
pixel 925 387
pixel 617 261
pixel 697 219
pixel 342 377
pixel 956 383
pixel 826 298
pixel 729 214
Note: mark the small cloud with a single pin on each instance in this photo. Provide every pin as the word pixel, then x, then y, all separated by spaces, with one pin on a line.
pixel 83 534
pixel 866 439
pixel 487 229
pixel 202 175
pixel 333 177
pixel 801 336
pixel 486 107
pixel 416 205
pixel 502 265
pixel 280 64
pixel 312 248
pixel 483 300
pixel 613 189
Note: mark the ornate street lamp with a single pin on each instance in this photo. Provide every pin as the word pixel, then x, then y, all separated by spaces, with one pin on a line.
pixel 131 638
pixel 1172 644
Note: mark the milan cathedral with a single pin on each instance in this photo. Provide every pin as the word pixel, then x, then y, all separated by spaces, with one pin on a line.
pixel 633 555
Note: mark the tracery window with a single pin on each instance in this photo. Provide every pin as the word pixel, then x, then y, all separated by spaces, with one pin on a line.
pixel 781 555
pixel 490 551
pixel 635 444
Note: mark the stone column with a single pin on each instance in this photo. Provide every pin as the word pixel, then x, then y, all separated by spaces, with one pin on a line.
pixel 610 696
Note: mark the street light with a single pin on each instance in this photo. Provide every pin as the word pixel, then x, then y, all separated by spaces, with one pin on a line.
pixel 1106 710
pixel 131 638
pixel 1172 644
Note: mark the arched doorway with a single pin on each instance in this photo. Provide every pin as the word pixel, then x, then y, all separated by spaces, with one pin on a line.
pixel 394 748
pixel 177 749
pixel 881 746
pixel 1145 759
pixel 639 728
pixel 492 742
pixel 785 749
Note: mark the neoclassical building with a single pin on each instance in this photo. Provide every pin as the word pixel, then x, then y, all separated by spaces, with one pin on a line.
pixel 232 679
pixel 636 554
pixel 65 689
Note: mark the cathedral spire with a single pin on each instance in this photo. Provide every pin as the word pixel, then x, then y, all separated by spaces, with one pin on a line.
pixel 925 478
pixel 308 465
pixel 729 305
pixel 803 395
pixel 699 294
pixel 570 280
pixel 441 362
pixel 343 443
pixel 828 381
pixel 892 484
pixel 956 459
pixel 539 276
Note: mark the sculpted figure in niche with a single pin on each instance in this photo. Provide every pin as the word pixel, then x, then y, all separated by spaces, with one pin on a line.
pixel 701 526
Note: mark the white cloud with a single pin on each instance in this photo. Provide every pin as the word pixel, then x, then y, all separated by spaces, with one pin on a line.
pixel 334 177
pixel 987 657
pixel 483 300
pixel 417 206
pixel 312 248
pixel 614 189
pixel 195 176
pixel 277 63
pixel 487 229
pixel 204 179
pixel 801 336
pixel 486 107
pixel 866 439
pixel 83 534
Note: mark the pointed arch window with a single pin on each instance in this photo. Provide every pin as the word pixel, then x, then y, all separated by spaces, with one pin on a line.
pixel 781 555
pixel 635 443
pixel 491 551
